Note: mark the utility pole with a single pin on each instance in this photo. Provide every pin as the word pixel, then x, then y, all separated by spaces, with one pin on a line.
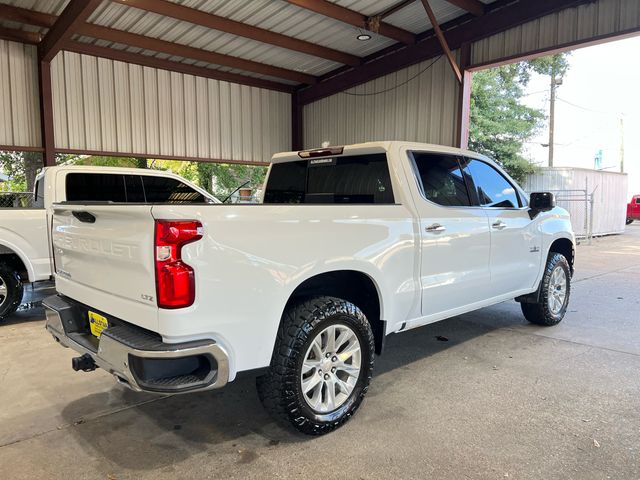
pixel 552 110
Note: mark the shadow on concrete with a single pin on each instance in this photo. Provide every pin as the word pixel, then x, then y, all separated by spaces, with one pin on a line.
pixel 31 310
pixel 159 433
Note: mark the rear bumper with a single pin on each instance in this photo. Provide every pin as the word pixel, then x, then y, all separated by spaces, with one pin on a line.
pixel 136 357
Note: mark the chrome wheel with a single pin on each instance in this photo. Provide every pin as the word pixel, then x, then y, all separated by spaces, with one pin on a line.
pixel 3 291
pixel 331 368
pixel 557 292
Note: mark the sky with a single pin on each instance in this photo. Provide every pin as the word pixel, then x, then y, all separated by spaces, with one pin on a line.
pixel 597 108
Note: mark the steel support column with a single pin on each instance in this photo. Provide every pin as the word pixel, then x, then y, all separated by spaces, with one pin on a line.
pixel 46 113
pixel 464 98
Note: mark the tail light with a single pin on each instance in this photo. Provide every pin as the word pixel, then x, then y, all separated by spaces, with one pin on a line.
pixel 175 282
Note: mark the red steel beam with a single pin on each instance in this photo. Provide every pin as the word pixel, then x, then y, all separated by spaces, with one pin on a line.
pixel 332 10
pixel 46 113
pixel 158 157
pixel 8 12
pixel 464 98
pixel 442 40
pixel 209 20
pixel 149 43
pixel 22 36
pixel 73 16
pixel 475 7
pixel 501 15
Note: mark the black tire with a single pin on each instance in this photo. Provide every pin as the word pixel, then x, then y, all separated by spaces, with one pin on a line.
pixel 541 313
pixel 11 299
pixel 280 389
pixel 629 221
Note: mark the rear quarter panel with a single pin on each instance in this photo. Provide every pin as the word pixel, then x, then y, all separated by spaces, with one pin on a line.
pixel 252 258
pixel 24 232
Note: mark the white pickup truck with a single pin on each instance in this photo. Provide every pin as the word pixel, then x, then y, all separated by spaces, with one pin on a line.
pixel 24 241
pixel 349 245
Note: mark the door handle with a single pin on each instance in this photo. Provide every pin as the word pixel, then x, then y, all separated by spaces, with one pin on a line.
pixel 499 225
pixel 84 217
pixel 436 227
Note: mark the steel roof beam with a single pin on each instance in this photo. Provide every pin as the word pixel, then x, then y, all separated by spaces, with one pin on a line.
pixel 22 36
pixel 44 20
pixel 475 7
pixel 442 40
pixel 72 17
pixel 332 10
pixel 209 20
pixel 163 46
pixel 501 15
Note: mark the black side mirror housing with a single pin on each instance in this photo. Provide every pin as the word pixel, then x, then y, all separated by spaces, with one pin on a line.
pixel 541 202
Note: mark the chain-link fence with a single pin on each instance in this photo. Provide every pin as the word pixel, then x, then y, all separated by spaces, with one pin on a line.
pixel 16 200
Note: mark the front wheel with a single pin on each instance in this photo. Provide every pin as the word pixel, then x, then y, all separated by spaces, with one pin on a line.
pixel 629 221
pixel 11 290
pixel 321 366
pixel 554 295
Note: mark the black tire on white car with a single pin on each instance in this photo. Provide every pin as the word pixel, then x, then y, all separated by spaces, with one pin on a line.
pixel 11 290
pixel 321 365
pixel 554 293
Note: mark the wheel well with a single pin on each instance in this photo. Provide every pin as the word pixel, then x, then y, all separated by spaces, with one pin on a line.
pixel 564 246
pixel 14 261
pixel 355 287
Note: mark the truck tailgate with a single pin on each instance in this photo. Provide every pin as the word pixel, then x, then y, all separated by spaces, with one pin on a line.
pixel 103 257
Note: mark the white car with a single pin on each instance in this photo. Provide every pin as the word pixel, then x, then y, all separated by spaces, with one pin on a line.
pixel 351 244
pixel 24 239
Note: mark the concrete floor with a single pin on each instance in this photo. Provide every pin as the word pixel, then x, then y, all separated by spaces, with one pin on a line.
pixel 499 399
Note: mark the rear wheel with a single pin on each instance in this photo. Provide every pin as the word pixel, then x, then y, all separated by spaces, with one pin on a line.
pixel 629 220
pixel 321 365
pixel 554 294
pixel 11 290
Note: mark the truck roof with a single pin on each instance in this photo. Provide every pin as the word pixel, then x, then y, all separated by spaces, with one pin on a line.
pixel 374 147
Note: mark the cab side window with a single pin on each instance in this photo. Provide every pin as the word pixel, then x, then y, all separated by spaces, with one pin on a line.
pixel 492 189
pixel 442 179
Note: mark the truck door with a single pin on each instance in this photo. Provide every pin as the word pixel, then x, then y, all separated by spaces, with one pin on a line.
pixel 515 242
pixel 455 236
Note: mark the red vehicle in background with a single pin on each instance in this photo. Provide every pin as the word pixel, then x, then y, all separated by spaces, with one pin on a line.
pixel 633 209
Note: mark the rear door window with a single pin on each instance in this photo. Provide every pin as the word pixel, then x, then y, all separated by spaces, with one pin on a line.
pixel 95 187
pixel 110 187
pixel 169 190
pixel 442 179
pixel 355 179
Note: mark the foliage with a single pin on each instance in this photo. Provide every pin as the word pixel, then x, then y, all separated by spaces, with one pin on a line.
pixel 228 177
pixel 21 168
pixel 557 65
pixel 500 122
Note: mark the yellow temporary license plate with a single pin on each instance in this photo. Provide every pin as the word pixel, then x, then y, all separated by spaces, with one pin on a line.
pixel 97 323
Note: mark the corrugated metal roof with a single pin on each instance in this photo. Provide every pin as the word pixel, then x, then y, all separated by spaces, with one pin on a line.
pixel 274 15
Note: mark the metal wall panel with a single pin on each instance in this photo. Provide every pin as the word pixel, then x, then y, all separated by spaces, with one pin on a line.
pixel 609 196
pixel 415 104
pixel 105 105
pixel 603 17
pixel 19 102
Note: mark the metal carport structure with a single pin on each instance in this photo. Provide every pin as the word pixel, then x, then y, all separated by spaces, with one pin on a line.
pixel 237 80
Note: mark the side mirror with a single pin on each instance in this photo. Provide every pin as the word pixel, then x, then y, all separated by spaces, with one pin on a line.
pixel 541 202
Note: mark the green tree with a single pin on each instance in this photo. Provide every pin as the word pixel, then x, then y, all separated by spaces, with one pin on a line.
pixel 21 168
pixel 500 123
pixel 221 179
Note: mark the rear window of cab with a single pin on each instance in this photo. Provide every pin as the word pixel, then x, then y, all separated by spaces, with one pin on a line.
pixel 354 179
